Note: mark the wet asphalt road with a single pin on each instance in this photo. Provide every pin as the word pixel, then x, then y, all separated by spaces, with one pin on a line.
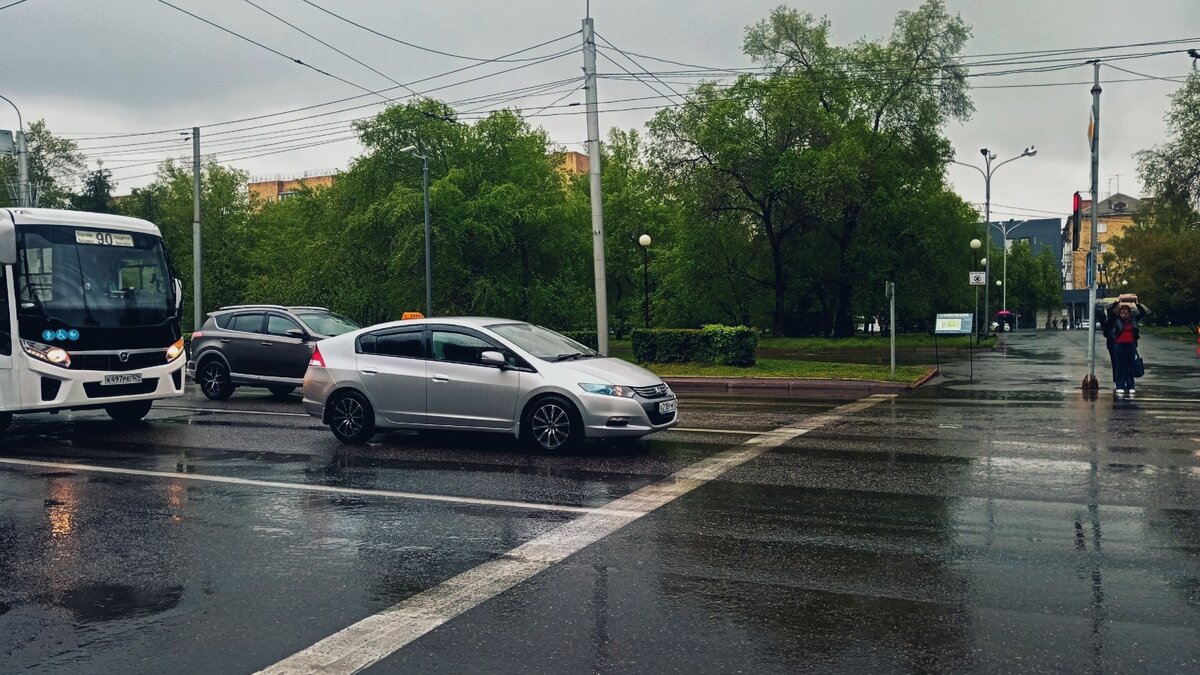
pixel 1001 524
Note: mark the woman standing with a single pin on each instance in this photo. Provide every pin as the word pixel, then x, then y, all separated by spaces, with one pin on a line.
pixel 1122 329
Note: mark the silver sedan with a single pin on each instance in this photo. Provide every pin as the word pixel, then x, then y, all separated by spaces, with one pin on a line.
pixel 481 374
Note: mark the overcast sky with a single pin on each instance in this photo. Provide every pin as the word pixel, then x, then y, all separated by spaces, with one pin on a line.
pixel 123 66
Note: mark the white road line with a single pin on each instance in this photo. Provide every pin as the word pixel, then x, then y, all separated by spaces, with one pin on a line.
pixel 227 411
pixel 740 432
pixel 698 430
pixel 378 636
pixel 364 492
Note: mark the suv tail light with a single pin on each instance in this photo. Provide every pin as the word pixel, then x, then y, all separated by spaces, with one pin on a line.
pixel 197 335
pixel 317 360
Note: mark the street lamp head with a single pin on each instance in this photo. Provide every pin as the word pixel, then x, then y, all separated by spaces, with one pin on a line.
pixel 644 240
pixel 410 148
pixel 983 151
pixel 1029 152
pixel 983 262
pixel 975 244
pixel 999 283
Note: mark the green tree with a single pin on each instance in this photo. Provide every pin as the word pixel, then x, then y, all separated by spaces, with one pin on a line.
pixel 228 246
pixel 97 193
pixel 888 102
pixel 54 165
pixel 1158 255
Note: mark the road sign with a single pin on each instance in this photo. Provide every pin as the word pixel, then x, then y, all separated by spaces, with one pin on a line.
pixel 7 145
pixel 953 324
pixel 978 278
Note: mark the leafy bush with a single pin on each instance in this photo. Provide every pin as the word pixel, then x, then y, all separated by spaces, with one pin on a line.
pixel 732 345
pixel 713 344
pixel 586 338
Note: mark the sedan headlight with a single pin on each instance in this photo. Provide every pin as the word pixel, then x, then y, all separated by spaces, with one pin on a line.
pixel 50 354
pixel 607 389
pixel 175 350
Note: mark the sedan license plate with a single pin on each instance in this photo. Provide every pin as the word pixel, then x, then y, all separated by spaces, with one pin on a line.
pixel 122 378
pixel 668 406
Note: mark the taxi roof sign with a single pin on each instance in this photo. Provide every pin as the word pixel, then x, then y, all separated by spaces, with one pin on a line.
pixel 411 315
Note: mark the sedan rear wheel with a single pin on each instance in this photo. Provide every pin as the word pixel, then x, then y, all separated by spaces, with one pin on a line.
pixel 351 418
pixel 214 380
pixel 551 424
pixel 5 420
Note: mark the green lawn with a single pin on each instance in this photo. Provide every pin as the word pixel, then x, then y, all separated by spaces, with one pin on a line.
pixel 791 368
pixel 1181 333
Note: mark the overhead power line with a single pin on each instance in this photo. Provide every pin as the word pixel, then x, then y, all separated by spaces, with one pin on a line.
pixel 397 40
pixel 339 51
pixel 12 4
pixel 252 118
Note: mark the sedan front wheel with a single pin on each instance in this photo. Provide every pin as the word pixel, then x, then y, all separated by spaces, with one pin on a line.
pixel 552 424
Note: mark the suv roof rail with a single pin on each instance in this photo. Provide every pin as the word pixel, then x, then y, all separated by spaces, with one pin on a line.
pixel 279 307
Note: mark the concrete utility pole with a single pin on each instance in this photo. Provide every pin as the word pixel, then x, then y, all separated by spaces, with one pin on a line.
pixel 1090 381
pixel 197 295
pixel 593 129
pixel 24 197
pixel 428 238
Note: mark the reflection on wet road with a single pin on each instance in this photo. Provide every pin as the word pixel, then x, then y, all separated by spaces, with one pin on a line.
pixel 1000 524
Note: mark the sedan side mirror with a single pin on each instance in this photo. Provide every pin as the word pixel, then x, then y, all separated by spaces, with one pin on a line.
pixel 297 333
pixel 493 359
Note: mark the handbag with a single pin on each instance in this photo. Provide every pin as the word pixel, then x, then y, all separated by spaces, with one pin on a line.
pixel 1139 367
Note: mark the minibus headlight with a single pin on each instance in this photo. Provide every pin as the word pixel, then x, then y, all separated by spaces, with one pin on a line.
pixel 175 350
pixel 50 354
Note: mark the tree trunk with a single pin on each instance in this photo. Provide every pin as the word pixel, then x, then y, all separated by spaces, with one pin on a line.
pixel 843 317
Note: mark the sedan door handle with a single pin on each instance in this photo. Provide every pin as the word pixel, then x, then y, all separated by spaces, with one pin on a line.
pixel 369 371
pixel 267 344
pixel 225 341
pixel 438 377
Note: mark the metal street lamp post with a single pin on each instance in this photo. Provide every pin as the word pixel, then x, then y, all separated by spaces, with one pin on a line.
pixel 644 240
pixel 24 198
pixel 988 157
pixel 975 244
pixel 428 234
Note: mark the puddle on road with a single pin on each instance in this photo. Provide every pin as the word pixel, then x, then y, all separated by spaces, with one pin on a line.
pixel 102 602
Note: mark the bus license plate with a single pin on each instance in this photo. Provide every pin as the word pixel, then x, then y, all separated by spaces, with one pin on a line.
pixel 668 406
pixel 123 378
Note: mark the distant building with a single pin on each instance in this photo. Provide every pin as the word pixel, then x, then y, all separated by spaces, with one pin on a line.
pixel 1116 215
pixel 264 189
pixel 571 164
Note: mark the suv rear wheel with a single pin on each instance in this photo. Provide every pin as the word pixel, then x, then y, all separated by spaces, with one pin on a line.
pixel 213 378
pixel 280 390
pixel 351 418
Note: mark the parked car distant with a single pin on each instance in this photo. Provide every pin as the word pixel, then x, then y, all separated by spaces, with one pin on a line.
pixel 259 346
pixel 481 374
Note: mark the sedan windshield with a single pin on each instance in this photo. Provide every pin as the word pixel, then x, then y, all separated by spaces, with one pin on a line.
pixel 327 323
pixel 541 342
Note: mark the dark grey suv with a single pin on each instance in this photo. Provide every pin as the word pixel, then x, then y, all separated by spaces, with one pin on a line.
pixel 259 346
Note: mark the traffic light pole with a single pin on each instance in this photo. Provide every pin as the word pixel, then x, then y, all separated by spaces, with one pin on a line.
pixel 1090 382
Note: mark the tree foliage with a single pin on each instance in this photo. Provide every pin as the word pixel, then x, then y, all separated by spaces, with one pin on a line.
pixel 54 164
pixel 1157 256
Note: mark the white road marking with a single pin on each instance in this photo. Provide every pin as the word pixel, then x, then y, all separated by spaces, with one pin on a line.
pixel 378 636
pixel 695 430
pixel 227 411
pixel 364 492
pixel 740 432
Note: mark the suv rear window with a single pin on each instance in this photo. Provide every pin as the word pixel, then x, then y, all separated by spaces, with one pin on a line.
pixel 326 323
pixel 247 323
pixel 223 321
